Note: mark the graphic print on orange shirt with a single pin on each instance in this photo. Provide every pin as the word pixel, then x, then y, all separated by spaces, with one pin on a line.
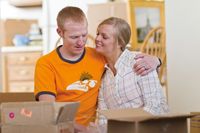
pixel 83 84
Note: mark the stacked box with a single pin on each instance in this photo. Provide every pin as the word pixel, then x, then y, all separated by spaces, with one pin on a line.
pixel 10 27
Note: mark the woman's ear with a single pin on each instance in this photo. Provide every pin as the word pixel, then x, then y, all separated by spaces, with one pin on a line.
pixel 120 46
pixel 60 32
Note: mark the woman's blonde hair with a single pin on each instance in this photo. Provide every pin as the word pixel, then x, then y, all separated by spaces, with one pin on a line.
pixel 70 13
pixel 121 29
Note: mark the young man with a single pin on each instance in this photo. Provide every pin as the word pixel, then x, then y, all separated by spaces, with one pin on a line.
pixel 72 72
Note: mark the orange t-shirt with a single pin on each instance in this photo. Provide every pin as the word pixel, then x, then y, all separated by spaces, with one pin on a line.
pixel 71 81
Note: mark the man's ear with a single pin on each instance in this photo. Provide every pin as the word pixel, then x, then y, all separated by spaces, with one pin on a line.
pixel 60 32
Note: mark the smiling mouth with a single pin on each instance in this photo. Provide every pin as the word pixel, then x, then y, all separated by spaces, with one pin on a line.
pixel 98 45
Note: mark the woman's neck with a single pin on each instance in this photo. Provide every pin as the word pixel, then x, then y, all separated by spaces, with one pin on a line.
pixel 112 59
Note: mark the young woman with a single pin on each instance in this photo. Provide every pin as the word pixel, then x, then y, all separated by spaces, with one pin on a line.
pixel 121 87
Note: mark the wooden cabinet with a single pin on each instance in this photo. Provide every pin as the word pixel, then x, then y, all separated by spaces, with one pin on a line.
pixel 98 12
pixel 18 68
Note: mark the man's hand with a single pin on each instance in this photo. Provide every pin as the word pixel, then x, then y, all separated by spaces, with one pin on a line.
pixel 47 97
pixel 145 63
pixel 80 128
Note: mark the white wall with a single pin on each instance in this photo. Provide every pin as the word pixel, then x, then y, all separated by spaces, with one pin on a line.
pixel 183 49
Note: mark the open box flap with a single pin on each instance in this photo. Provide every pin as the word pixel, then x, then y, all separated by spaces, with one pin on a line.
pixel 138 115
pixel 67 112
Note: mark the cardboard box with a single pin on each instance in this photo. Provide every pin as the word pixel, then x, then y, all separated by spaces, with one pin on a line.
pixel 16 97
pixel 59 128
pixel 195 123
pixel 38 117
pixel 139 121
pixel 10 27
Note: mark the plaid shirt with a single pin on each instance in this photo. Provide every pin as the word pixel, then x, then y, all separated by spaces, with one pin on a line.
pixel 128 90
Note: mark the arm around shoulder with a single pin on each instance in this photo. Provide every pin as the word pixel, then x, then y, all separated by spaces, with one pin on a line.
pixel 146 64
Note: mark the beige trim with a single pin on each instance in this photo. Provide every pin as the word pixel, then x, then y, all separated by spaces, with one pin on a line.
pixel 25 3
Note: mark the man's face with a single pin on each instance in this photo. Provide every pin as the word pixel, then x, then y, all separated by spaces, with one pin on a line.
pixel 74 37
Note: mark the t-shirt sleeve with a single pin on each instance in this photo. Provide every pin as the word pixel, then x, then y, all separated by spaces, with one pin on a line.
pixel 44 80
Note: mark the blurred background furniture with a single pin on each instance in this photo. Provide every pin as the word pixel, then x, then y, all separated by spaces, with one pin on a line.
pixel 90 41
pixel 154 44
pixel 25 3
pixel 18 65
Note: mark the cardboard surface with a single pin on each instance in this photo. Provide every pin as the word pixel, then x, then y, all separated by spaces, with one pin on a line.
pixel 59 128
pixel 38 117
pixel 139 121
pixel 137 115
pixel 25 113
pixel 10 27
pixel 33 113
pixel 16 97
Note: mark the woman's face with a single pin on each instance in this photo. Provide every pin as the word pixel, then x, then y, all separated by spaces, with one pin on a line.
pixel 105 40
